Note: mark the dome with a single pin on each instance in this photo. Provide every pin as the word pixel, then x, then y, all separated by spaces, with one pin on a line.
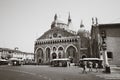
pixel 83 32
pixel 58 23
pixel 82 28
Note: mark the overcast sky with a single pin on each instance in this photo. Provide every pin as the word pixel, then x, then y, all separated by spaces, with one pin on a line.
pixel 23 21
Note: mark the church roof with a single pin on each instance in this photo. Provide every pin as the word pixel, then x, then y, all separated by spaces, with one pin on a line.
pixel 58 31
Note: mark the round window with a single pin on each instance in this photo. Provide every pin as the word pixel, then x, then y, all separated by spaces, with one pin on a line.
pixel 55 35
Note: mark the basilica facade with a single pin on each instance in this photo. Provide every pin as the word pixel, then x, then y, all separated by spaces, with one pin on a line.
pixel 61 42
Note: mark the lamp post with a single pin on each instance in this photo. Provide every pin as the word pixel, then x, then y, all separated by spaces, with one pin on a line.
pixel 104 47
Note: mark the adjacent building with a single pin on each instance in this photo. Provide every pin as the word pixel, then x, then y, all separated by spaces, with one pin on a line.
pixel 106 37
pixel 61 42
pixel 7 53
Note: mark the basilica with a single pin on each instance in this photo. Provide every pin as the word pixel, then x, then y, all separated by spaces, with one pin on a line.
pixel 62 42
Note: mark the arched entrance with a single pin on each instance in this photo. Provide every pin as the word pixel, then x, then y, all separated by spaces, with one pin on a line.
pixel 84 56
pixel 39 56
pixel 72 54
pixel 48 54
pixel 60 52
pixel 59 55
pixel 54 55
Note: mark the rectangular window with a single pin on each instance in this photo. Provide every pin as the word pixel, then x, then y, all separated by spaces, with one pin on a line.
pixel 109 54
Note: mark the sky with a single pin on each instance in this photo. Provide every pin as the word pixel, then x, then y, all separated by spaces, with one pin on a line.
pixel 23 21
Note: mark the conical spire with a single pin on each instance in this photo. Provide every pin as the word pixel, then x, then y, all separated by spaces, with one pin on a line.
pixel 54 23
pixel 69 19
pixel 96 20
pixel 55 17
pixel 92 21
pixel 81 24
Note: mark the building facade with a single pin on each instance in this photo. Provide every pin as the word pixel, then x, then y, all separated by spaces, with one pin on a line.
pixel 6 53
pixel 59 42
pixel 106 36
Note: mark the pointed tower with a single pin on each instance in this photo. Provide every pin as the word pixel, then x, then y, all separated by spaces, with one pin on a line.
pixel 82 32
pixel 55 17
pixel 55 20
pixel 82 27
pixel 96 20
pixel 69 20
pixel 54 23
pixel 81 24
pixel 92 21
pixel 69 24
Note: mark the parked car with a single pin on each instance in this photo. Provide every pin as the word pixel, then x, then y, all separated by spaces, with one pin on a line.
pixel 15 62
pixel 3 62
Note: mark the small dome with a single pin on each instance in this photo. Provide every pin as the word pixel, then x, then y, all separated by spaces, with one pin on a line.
pixel 83 32
pixel 60 21
pixel 82 28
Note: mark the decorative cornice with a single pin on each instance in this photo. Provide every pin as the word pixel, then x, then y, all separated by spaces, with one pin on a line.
pixel 57 40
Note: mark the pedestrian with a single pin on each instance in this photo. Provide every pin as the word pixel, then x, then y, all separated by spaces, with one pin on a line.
pixel 84 67
pixel 96 67
pixel 90 66
pixel 68 63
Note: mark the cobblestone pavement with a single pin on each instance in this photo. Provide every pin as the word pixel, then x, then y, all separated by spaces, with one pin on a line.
pixel 62 73
pixel 114 75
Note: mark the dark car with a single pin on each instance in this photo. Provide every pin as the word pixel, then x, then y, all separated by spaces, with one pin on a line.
pixel 15 62
pixel 3 62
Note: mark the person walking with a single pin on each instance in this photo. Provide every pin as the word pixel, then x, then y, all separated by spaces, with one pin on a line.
pixel 96 67
pixel 90 66
pixel 84 67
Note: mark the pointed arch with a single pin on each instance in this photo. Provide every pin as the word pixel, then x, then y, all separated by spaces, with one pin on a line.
pixel 54 48
pixel 54 55
pixel 47 52
pixel 84 56
pixel 71 53
pixel 60 46
pixel 39 53
pixel 69 46
pixel 60 51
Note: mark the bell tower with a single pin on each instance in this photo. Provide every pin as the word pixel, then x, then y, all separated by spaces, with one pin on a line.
pixel 69 20
pixel 54 23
